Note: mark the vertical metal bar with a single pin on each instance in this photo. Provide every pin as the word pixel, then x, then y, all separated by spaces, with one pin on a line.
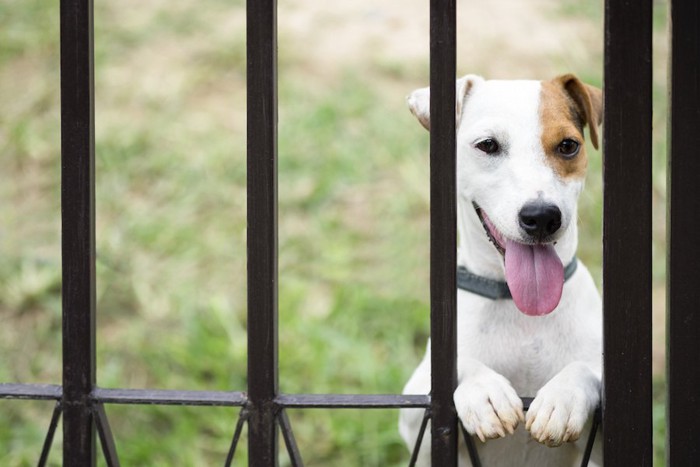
pixel 262 230
pixel 626 401
pixel 443 232
pixel 78 230
pixel 683 295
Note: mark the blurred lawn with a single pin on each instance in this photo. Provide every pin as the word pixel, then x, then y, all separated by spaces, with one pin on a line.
pixel 170 149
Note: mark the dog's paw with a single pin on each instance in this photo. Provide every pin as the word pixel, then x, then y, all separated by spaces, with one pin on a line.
pixel 488 406
pixel 559 412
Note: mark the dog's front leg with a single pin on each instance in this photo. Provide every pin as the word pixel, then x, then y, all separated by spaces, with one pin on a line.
pixel 563 405
pixel 486 402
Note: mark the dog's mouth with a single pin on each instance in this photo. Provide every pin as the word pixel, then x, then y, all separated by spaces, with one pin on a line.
pixel 493 234
pixel 534 272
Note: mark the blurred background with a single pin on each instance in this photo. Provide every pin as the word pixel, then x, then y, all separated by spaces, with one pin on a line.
pixel 353 207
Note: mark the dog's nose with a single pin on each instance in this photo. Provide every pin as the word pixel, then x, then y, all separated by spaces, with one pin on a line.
pixel 540 220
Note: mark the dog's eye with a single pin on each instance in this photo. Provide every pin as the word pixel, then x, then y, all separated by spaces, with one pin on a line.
pixel 489 146
pixel 568 148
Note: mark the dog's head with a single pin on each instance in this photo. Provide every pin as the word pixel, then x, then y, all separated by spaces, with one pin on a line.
pixel 521 164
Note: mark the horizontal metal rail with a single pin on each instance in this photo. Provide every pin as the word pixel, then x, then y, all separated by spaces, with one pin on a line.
pixel 216 398
pixel 169 397
pixel 351 401
pixel 225 398
pixel 35 392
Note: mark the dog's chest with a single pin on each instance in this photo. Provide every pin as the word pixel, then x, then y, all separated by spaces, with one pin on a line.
pixel 534 365
pixel 527 351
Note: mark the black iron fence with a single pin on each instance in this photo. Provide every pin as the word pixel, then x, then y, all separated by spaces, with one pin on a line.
pixel 626 401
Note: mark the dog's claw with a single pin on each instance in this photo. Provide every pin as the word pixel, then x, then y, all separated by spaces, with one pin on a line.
pixel 501 432
pixel 571 436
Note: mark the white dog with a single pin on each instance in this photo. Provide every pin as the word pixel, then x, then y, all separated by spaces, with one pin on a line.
pixel 521 164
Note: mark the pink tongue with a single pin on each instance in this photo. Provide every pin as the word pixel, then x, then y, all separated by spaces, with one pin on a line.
pixel 535 277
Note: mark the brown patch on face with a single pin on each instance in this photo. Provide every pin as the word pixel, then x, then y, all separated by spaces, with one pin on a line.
pixel 560 121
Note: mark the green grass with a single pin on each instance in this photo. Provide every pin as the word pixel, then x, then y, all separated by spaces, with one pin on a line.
pixel 171 205
pixel 170 155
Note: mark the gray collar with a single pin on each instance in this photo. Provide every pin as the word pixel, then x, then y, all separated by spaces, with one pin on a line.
pixel 493 289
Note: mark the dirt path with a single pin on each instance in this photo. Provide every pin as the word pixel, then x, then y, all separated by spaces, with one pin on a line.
pixel 511 38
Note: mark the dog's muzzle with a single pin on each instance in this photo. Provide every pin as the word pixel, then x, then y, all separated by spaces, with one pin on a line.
pixel 534 272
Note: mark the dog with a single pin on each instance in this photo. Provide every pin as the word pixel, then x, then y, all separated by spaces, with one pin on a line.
pixel 521 166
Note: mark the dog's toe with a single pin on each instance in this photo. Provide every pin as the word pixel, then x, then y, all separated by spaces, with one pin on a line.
pixel 488 407
pixel 559 412
pixel 557 416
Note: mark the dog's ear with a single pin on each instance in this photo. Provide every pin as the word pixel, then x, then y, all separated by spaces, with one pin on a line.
pixel 419 104
pixel 419 100
pixel 588 100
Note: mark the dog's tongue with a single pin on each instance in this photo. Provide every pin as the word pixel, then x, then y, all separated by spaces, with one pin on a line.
pixel 535 277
